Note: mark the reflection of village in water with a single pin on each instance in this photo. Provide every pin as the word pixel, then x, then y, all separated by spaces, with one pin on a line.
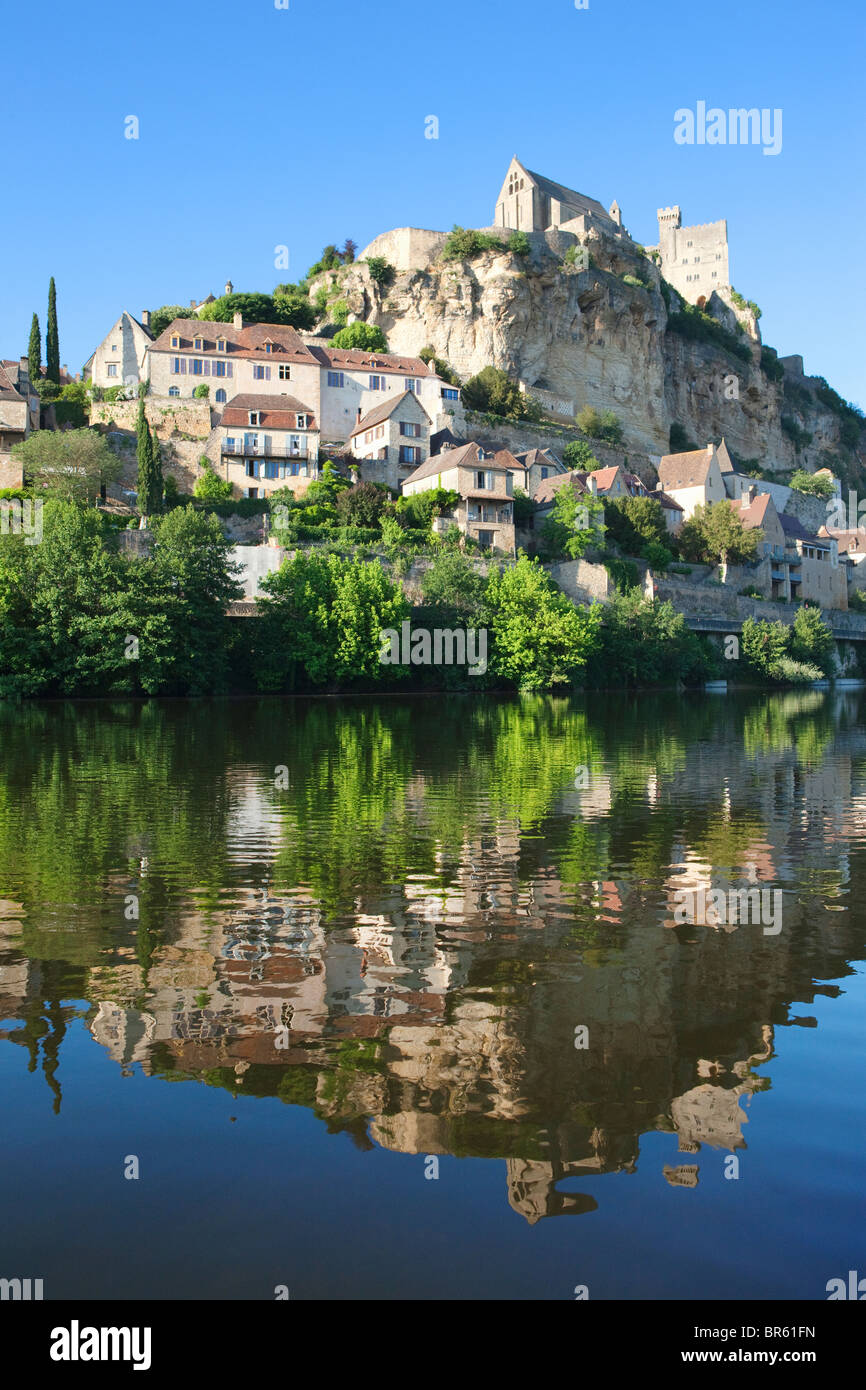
pixel 439 1016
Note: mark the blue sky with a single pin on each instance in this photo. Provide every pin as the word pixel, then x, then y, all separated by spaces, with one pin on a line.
pixel 261 127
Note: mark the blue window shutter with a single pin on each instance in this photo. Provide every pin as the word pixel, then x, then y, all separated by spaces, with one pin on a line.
pixel 207 366
pixel 183 366
pixel 267 373
pixel 228 368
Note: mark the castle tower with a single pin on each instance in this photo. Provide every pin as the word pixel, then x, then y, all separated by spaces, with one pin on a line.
pixel 616 213
pixel 693 259
pixel 229 287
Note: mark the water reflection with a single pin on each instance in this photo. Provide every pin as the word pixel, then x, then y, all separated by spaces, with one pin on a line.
pixel 405 929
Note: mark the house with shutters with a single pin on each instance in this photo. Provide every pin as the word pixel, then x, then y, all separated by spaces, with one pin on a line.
pixel 696 478
pixel 232 359
pixel 268 442
pixel 531 468
pixel 485 507
pixel 120 358
pixel 353 381
pixel 392 440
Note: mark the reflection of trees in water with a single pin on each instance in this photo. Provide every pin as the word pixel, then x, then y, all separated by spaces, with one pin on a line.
pixel 431 906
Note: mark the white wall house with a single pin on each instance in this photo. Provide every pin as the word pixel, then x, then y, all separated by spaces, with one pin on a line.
pixel 120 358
pixel 268 442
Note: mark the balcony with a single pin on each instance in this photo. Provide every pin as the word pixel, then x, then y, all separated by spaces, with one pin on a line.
pixel 239 449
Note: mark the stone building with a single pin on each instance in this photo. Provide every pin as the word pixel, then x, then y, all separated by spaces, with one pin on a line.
pixel 695 478
pixel 268 442
pixel 19 415
pixel 693 259
pixel 485 510
pixel 392 439
pixel 120 358
pixel 530 202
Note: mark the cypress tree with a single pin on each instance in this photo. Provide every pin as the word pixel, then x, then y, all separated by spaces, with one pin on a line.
pixel 156 478
pixel 52 340
pixel 144 456
pixel 34 353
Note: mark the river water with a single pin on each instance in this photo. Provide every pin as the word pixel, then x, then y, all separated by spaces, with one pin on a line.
pixel 426 998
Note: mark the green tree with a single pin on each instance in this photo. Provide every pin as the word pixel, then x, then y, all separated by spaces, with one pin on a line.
pixel 149 489
pixel 34 353
pixel 361 505
pixel 635 522
pixel 71 464
pixel 600 424
pixel 293 309
pixel 492 390
pixel 440 366
pixel 715 534
pixel 812 640
pixel 539 639
pixel 202 391
pixel 381 271
pixel 367 337
pixel 645 642
pixel 578 455
pixel 812 484
pixel 52 340
pixel 192 562
pixel 453 584
pixel 161 318
pixel 576 524
pixel 209 486
pixel 72 406
pixel 321 624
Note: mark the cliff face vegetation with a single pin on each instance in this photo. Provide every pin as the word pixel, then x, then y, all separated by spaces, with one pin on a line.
pixel 591 336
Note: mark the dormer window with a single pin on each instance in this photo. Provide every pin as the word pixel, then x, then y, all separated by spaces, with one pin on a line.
pixel 269 347
pixel 255 417
pixel 198 344
pixel 175 340
pixel 302 422
pixel 221 345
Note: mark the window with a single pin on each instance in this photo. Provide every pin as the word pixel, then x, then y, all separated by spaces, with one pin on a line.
pixel 271 469
pixel 198 344
pixel 295 444
pixel 269 347
pixel 411 431
pixel 250 468
pixel 504 515
pixel 255 417
pixel 251 492
pixel 472 511
pixel 488 513
pixel 336 379
pixel 368 437
pixel 409 454
pixel 220 397
pixel 175 340
pixel 412 383
pixel 544 473
pixel 380 432
pixel 484 481
pixel 175 391
pixel 221 345
pixel 261 372
pixel 196 366
pixel 285 372
pixel 114 347
pixel 688 243
pixel 302 422
pixel 112 369
pixel 218 368
pixel 229 445
pixel 449 394
pixel 378 383
pixel 485 539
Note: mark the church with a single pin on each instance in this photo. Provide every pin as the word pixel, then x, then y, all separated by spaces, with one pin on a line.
pixel 529 202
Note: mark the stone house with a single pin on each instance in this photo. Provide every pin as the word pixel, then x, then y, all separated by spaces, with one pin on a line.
pixel 692 259
pixel 802 567
pixel 264 358
pixel 19 416
pixel 231 359
pixel 120 358
pixel 485 510
pixel 696 478
pixel 354 381
pixel 531 468
pixel 392 439
pixel 268 442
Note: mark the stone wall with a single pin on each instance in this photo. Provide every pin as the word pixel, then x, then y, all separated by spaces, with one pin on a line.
pixel 582 581
pixel 165 416
pixel 11 472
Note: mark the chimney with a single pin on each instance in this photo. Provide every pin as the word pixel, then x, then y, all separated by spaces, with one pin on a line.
pixel 192 303
pixel 591 483
pixel 238 322
pixel 753 491
pixel 710 448
pixel 145 318
pixel 359 412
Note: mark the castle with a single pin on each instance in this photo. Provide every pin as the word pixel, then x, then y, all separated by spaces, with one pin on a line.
pixel 692 259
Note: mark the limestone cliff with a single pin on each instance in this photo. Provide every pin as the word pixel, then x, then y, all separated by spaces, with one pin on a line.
pixel 589 336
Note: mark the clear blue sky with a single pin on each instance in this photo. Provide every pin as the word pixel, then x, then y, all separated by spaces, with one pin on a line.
pixel 261 127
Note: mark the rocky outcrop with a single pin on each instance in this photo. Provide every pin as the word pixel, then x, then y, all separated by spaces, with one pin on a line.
pixel 596 337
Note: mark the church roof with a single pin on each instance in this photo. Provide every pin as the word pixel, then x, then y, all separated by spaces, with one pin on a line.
pixel 568 195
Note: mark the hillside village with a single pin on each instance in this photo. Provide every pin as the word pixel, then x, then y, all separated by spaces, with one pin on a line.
pixel 447 364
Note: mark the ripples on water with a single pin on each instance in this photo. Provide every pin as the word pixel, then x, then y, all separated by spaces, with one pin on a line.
pixel 397 917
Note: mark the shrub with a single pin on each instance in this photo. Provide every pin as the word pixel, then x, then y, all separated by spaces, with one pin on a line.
pixel 635 281
pixel 578 455
pixel 464 244
pixel 202 391
pixel 602 425
pixel 811 639
pixel 440 366
pixel 635 522
pixel 743 303
pixel 362 505
pixel 381 271
pixel 493 390
pixel 657 556
pixel 210 487
pixel 770 364
pixel 691 322
pixel 367 337
pixel 811 484
pixel 518 244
